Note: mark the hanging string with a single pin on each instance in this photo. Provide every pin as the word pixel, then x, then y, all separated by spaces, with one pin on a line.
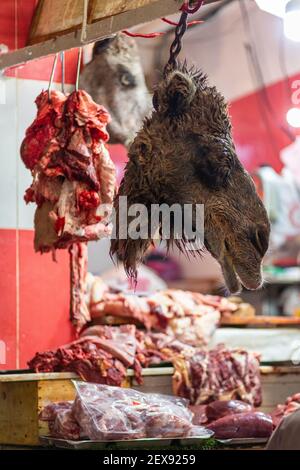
pixel 78 68
pixel 52 76
pixel 142 35
pixel 174 23
pixel 62 61
pixel 84 20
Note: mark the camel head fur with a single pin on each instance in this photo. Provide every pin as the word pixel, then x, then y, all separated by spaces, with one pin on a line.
pixel 185 154
pixel 115 79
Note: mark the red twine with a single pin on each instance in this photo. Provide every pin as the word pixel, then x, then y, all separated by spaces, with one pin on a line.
pixel 140 35
pixel 185 7
pixel 173 23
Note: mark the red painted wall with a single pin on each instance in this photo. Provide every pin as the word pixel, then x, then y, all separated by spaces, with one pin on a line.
pixel 256 130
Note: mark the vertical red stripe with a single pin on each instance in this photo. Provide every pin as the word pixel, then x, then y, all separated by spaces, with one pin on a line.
pixel 8 296
pixel 44 299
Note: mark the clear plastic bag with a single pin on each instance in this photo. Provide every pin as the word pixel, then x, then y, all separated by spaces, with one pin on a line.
pixel 114 413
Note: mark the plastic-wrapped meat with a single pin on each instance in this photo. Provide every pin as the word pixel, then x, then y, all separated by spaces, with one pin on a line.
pixel 163 421
pixel 49 412
pixel 61 421
pixel 252 424
pixel 219 374
pixel 65 426
pixel 112 413
pixel 73 174
pixel 199 414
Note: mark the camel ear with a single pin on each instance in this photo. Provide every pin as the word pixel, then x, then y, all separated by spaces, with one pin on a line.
pixel 213 163
pixel 179 92
pixel 102 45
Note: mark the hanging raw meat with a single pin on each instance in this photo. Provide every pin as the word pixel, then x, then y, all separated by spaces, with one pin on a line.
pixel 72 171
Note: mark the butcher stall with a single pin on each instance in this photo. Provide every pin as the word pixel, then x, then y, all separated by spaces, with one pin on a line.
pixel 150 279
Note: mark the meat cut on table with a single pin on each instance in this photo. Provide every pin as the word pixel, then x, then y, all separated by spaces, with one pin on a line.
pixel 242 425
pixel 219 374
pixel 103 358
pixel 291 405
pixel 189 316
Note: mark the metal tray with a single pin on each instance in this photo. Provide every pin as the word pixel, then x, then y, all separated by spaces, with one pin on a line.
pixel 134 443
pixel 245 441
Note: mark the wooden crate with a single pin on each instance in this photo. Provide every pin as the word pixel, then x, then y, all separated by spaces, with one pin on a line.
pixel 22 396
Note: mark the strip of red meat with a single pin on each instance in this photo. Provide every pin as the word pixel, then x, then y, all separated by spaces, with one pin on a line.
pixel 79 311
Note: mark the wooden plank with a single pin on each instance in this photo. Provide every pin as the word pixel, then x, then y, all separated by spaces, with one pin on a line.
pixel 36 377
pixel 95 31
pixel 69 375
pixel 55 17
pixel 275 371
pixel 52 391
pixel 260 320
pixel 18 413
pixel 272 371
pixel 104 8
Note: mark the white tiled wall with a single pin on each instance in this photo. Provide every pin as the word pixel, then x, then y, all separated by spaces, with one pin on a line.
pixel 15 116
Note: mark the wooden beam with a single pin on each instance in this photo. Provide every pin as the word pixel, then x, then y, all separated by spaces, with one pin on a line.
pixel 102 28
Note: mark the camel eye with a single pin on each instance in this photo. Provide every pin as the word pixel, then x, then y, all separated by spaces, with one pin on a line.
pixel 127 80
pixel 259 241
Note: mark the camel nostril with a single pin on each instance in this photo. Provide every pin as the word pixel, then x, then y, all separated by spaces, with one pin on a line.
pixel 259 240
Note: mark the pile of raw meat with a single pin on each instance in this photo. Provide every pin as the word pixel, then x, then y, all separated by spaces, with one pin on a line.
pixel 189 316
pixel 230 419
pixel 106 413
pixel 291 405
pixel 219 374
pixel 64 148
pixel 103 357
pixel 103 354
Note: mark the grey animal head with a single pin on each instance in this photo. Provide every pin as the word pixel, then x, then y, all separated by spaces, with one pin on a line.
pixel 115 79
pixel 185 154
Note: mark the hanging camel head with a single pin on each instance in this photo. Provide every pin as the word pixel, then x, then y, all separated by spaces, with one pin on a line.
pixel 185 154
pixel 115 79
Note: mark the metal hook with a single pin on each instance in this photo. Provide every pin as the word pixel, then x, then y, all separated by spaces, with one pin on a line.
pixel 78 68
pixel 52 75
pixel 189 9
